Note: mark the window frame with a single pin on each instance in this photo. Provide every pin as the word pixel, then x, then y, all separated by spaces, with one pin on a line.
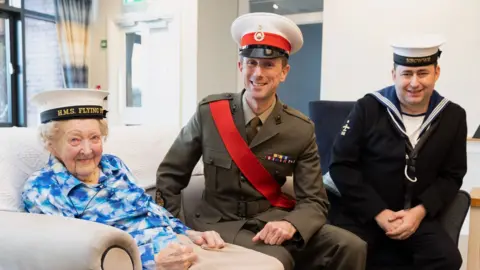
pixel 16 107
pixel 18 90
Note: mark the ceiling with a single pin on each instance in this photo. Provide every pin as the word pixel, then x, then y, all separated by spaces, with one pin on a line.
pixel 286 7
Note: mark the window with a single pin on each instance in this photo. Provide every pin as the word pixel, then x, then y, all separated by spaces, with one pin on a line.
pixel 43 64
pixel 5 93
pixel 10 67
pixel 41 6
pixel 42 56
pixel 134 69
pixel 36 52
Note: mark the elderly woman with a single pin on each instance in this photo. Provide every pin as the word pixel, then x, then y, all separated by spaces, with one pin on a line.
pixel 80 181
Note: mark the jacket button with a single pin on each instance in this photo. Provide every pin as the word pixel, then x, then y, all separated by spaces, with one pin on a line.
pixel 278 119
pixel 242 178
pixel 210 161
pixel 197 215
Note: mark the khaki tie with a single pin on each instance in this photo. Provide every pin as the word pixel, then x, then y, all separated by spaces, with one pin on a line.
pixel 252 128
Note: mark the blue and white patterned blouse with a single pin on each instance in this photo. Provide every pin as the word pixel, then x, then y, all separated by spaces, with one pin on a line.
pixel 116 201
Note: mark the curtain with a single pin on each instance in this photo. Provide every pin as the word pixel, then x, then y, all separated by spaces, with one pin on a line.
pixel 72 22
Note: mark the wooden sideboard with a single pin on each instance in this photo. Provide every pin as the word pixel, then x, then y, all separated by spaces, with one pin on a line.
pixel 473 259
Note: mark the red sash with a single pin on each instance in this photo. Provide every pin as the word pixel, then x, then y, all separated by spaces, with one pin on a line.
pixel 246 161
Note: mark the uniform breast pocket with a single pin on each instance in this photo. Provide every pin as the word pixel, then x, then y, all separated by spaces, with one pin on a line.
pixel 281 171
pixel 279 168
pixel 218 165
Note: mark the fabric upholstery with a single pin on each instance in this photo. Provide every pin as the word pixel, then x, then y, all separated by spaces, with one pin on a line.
pixel 328 117
pixel 21 154
pixel 41 242
pixel 452 218
pixel 142 148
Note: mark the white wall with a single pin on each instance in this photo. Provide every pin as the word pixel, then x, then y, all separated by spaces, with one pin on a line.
pixel 357 56
pixel 207 58
pixel 97 72
pixel 217 51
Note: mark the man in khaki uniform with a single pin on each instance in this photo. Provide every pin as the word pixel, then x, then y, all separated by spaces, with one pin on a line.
pixel 246 164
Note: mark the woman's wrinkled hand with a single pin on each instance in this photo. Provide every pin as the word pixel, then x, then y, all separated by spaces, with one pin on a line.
pixel 175 257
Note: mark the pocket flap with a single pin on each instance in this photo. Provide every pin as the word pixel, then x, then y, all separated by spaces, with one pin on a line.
pixel 207 214
pixel 217 158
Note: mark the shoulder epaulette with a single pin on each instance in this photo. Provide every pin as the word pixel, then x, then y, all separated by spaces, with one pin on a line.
pixel 298 114
pixel 216 97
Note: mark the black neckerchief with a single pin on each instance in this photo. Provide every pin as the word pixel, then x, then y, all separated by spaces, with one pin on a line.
pixel 388 98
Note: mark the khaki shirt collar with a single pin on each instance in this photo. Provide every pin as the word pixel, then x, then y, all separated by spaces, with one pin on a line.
pixel 249 114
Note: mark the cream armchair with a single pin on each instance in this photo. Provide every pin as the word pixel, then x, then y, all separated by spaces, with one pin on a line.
pixel 40 242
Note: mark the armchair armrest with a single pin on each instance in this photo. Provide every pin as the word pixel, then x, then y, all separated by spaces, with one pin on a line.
pixel 473 258
pixel 41 242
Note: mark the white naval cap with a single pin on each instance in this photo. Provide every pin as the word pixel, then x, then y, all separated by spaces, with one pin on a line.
pixel 417 51
pixel 72 103
pixel 266 35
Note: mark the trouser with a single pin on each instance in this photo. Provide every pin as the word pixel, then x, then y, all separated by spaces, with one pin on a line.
pixel 331 248
pixel 430 247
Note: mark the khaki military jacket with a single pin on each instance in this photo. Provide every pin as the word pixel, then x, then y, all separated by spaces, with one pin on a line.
pixel 285 145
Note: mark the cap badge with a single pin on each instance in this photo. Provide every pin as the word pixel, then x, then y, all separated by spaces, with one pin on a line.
pixel 259 35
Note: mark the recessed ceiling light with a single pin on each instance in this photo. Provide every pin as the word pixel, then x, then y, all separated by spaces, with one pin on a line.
pixel 275 6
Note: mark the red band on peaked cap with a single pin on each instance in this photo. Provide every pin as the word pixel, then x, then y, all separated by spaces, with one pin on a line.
pixel 268 39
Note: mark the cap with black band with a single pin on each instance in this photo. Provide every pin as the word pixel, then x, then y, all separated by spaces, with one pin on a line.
pixel 417 51
pixel 266 35
pixel 65 104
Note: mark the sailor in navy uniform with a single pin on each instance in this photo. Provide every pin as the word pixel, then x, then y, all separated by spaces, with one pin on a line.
pixel 399 160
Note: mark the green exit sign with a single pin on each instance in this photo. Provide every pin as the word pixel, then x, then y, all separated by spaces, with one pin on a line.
pixel 132 1
pixel 103 44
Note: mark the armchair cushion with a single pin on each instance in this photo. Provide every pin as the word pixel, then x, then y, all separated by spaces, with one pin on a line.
pixel 22 153
pixel 142 149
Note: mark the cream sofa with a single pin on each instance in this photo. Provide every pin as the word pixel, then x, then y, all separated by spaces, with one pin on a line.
pixel 40 242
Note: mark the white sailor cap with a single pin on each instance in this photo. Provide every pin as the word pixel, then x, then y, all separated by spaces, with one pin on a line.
pixel 72 103
pixel 266 35
pixel 417 51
